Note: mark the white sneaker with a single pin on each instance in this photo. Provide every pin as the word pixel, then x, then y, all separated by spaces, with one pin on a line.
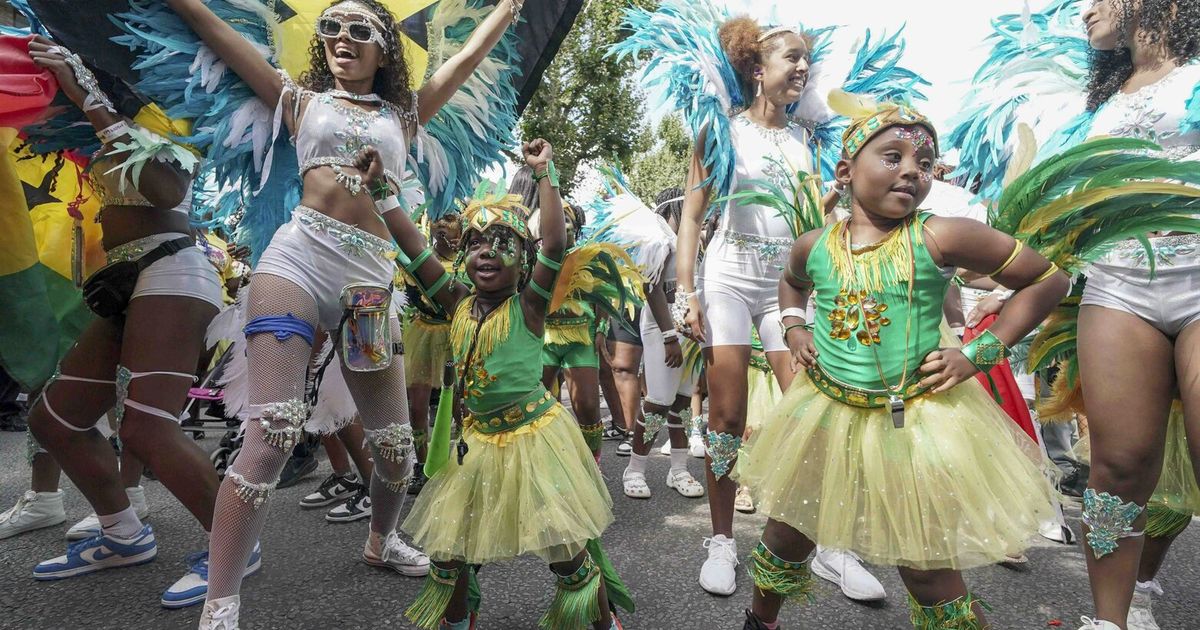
pixel 1097 624
pixel 1140 615
pixel 1053 530
pixel 634 484
pixel 666 448
pixel 696 445
pixel 845 569
pixel 89 527
pixel 684 483
pixel 34 510
pixel 719 573
pixel 742 501
pixel 397 555
pixel 221 613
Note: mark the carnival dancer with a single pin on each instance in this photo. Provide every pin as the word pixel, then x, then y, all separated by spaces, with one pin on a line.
pixel 1129 327
pixel 335 256
pixel 524 480
pixel 882 385
pixel 153 300
pixel 758 167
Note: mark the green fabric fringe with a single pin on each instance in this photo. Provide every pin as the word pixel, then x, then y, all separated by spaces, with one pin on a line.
pixel 793 581
pixel 1163 522
pixel 618 594
pixel 575 604
pixel 593 435
pixel 429 608
pixel 958 614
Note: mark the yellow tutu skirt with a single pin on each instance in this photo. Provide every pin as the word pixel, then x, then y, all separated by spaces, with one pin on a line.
pixel 762 394
pixel 959 486
pixel 534 490
pixel 426 351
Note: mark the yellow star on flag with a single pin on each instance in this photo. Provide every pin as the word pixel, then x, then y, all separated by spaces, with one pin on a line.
pixel 298 31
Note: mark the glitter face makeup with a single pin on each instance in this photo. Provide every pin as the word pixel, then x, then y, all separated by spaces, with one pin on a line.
pixel 919 138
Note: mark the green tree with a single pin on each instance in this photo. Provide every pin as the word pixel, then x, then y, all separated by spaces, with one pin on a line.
pixel 664 166
pixel 587 105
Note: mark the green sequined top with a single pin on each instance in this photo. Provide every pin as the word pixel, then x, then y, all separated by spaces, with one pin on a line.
pixel 506 364
pixel 863 308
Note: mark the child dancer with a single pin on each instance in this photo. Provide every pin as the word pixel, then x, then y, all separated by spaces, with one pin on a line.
pixel 524 481
pixel 874 449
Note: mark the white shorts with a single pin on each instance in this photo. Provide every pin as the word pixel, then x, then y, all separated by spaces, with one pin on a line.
pixel 1168 299
pixel 187 273
pixel 663 384
pixel 739 288
pixel 322 255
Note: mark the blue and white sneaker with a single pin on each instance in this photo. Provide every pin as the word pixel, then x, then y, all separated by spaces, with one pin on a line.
pixel 99 553
pixel 192 588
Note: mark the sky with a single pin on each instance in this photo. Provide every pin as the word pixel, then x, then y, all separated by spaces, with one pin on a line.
pixel 944 38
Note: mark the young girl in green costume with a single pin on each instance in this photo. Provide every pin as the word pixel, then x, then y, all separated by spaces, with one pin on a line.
pixel 524 481
pixel 879 447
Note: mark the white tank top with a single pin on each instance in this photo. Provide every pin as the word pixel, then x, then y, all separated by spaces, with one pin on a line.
pixel 1154 112
pixel 765 154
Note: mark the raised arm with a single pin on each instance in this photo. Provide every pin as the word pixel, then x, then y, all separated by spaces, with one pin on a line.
pixel 238 53
pixel 553 229
pixel 695 202
pixel 163 183
pixel 418 258
pixel 456 70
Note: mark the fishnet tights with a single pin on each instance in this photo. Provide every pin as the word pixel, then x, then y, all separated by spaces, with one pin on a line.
pixel 382 401
pixel 277 372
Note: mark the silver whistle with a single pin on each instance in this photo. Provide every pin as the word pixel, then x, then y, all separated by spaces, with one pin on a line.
pixel 897 405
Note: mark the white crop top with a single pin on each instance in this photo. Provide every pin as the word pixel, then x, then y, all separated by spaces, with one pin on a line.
pixel 1154 112
pixel 332 133
pixel 765 154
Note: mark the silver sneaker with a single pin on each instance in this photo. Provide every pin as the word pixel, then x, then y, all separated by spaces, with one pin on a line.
pixel 34 510
pixel 397 555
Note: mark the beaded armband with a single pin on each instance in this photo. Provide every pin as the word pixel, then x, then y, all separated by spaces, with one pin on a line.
pixel 985 351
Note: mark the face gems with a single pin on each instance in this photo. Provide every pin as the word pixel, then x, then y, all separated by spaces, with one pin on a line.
pixel 918 136
pixel 889 165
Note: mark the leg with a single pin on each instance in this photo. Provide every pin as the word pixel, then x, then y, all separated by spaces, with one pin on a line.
pixel 132 468
pixel 44 473
pixel 278 373
pixel 625 360
pixel 583 385
pixel 1129 366
pixel 351 439
pixel 581 597
pixel 42 505
pixel 156 356
pixel 444 598
pixel 418 414
pixel 549 376
pixel 939 599
pixel 780 569
pixel 1187 368
pixel 339 458
pixel 726 423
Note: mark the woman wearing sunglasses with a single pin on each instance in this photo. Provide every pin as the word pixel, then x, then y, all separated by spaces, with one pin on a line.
pixel 355 95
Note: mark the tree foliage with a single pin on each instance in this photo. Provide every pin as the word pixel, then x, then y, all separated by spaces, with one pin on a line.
pixel 587 105
pixel 664 166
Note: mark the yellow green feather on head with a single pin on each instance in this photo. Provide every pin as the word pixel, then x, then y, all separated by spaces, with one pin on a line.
pixel 868 118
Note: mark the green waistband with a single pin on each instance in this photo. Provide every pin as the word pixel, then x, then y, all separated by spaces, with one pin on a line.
pixel 529 408
pixel 860 396
pixel 570 320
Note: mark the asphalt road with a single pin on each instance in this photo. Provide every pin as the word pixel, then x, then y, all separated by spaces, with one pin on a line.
pixel 312 576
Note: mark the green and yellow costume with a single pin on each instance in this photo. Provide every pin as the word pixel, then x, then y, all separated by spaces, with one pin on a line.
pixel 957 486
pixel 426 335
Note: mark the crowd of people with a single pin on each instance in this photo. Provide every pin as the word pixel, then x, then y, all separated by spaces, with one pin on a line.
pixel 823 327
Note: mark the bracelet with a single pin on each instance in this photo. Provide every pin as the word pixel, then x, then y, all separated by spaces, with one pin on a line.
pixel 551 172
pixel 985 351
pixel 1002 294
pixel 788 329
pixel 109 134
pixel 516 6
pixel 381 190
pixel 96 98
pixel 385 206
pixel 794 311
pixel 669 335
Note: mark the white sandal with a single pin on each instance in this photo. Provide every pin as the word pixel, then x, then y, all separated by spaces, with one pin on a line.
pixel 742 502
pixel 684 483
pixel 635 485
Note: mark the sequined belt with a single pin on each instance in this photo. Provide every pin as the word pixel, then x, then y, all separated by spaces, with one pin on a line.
pixel 1165 249
pixel 529 408
pixel 350 239
pixel 769 247
pixel 860 396
pixel 137 248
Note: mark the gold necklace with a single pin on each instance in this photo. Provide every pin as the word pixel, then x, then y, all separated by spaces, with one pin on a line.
pixel 895 401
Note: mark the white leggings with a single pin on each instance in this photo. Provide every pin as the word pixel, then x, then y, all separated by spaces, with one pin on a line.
pixel 739 288
pixel 663 384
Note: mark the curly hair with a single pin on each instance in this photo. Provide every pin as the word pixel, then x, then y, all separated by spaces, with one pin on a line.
pixel 391 81
pixel 1174 24
pixel 739 39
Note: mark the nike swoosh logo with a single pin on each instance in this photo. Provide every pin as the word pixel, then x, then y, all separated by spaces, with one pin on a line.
pixel 97 554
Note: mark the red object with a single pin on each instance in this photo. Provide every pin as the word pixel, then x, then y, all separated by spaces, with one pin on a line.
pixel 25 89
pixel 1054 622
pixel 1013 402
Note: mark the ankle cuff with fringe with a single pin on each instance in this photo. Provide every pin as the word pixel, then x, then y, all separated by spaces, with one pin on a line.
pixel 956 614
pixel 575 602
pixel 793 581
pixel 429 608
